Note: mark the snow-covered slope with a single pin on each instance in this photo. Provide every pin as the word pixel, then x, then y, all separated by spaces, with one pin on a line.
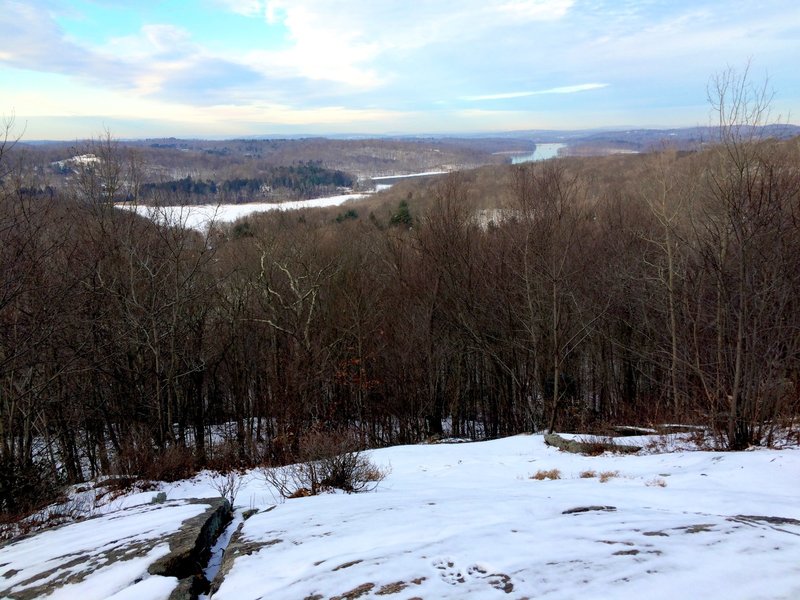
pixel 468 521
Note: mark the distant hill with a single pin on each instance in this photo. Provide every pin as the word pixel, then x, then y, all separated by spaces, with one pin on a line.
pixel 170 161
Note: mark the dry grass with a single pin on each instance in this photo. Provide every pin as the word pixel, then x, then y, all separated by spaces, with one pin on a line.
pixel 374 473
pixel 588 474
pixel 606 475
pixel 300 493
pixel 549 474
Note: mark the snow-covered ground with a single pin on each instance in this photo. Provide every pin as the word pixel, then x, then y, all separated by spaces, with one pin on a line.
pixel 202 215
pixel 471 521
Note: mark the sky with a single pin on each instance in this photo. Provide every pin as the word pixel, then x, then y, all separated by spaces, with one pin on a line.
pixel 225 68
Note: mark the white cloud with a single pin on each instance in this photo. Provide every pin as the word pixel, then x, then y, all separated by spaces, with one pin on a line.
pixel 320 49
pixel 345 41
pixel 159 60
pixel 569 89
pixel 152 41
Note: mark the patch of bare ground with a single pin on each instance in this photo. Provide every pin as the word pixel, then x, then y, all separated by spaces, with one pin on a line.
pixel 358 592
pixel 347 565
pixel 392 588
pixel 398 586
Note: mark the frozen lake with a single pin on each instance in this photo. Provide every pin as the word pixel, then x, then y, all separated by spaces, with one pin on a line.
pixel 201 216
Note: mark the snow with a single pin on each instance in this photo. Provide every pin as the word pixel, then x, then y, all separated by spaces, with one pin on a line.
pixel 115 581
pixel 83 159
pixel 425 174
pixel 468 521
pixel 201 216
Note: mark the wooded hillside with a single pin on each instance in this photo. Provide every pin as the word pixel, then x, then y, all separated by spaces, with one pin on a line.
pixel 627 289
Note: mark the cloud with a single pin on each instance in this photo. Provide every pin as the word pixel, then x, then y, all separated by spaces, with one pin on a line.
pixel 319 50
pixel 343 48
pixel 32 40
pixel 351 41
pixel 569 89
pixel 160 60
pixel 365 60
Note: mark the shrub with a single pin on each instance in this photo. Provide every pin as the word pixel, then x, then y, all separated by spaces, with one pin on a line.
pixel 231 454
pixel 326 460
pixel 174 464
pixel 347 215
pixel 139 459
pixel 228 485
pixel 25 488
pixel 588 474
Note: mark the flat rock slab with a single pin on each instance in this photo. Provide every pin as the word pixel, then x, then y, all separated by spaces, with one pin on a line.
pixel 139 552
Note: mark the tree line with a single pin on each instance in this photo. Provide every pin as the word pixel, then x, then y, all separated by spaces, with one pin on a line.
pixel 304 180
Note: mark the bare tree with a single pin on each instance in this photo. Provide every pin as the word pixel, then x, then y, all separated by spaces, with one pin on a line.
pixel 744 228
pixel 556 215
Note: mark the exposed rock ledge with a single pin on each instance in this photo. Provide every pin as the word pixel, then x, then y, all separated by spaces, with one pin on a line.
pixel 591 448
pixel 190 549
pixel 67 559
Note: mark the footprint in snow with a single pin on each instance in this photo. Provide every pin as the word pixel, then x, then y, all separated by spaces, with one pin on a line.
pixel 452 574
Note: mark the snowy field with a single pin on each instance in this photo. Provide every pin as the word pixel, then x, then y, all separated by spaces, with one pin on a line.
pixel 202 215
pixel 472 521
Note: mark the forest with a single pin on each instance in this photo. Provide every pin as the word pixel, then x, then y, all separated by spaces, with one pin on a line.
pixel 305 180
pixel 568 295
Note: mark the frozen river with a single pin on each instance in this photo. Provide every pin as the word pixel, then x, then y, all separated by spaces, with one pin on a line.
pixel 542 152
